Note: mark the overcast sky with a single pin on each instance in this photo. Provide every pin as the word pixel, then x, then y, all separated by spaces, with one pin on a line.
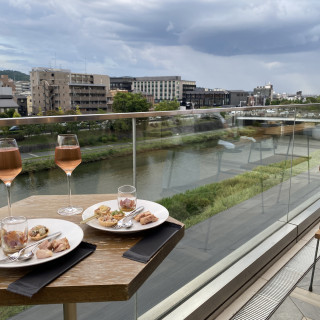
pixel 230 44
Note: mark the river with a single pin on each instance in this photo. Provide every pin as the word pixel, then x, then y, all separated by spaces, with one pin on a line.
pixel 159 173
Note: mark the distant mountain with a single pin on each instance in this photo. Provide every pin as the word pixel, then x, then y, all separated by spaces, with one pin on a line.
pixel 15 75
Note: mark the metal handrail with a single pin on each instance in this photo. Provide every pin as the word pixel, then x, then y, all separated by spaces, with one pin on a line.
pixel 132 115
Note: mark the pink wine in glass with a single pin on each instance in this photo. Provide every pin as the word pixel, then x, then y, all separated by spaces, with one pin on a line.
pixel 68 157
pixel 10 164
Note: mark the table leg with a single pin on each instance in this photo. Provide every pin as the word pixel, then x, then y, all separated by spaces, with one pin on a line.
pixel 70 311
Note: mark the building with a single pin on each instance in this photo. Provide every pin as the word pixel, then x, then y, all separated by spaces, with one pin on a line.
pixel 21 87
pixel 121 83
pixel 59 88
pixel 6 100
pixel 22 102
pixel 238 98
pixel 201 97
pixel 5 81
pixel 262 93
pixel 163 88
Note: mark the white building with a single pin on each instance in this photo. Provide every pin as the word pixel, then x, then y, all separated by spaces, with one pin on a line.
pixel 163 88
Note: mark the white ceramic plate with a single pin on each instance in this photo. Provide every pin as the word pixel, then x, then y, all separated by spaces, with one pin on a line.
pixel 68 229
pixel 158 210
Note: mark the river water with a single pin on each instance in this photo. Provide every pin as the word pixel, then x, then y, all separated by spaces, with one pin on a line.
pixel 159 173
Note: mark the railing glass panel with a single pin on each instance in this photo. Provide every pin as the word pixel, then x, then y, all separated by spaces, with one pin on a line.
pixel 233 176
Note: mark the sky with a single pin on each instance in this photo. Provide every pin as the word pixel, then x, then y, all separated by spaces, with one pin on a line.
pixel 229 44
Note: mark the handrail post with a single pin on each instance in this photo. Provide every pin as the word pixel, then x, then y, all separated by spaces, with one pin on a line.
pixel 134 151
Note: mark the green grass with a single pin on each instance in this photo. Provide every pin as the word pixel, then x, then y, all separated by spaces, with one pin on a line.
pixel 7 312
pixel 201 203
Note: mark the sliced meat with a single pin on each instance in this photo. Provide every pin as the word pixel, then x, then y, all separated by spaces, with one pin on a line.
pixel 141 215
pixel 148 219
pixel 45 245
pixel 60 245
pixel 43 253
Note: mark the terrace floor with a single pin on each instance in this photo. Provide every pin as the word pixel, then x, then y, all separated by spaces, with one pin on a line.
pixel 298 304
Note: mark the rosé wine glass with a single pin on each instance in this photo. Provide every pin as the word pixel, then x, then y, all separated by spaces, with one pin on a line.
pixel 10 165
pixel 68 157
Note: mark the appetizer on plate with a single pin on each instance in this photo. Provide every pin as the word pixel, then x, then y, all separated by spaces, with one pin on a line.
pixel 38 232
pixel 102 210
pixel 117 214
pixel 146 217
pixel 127 204
pixel 13 241
pixel 47 248
pixel 107 221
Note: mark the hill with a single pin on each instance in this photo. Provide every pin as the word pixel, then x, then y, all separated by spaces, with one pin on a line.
pixel 15 75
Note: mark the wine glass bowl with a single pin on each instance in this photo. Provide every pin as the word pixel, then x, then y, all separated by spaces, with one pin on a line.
pixel 68 157
pixel 10 164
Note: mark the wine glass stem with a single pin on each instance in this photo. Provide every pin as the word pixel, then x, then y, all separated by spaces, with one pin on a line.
pixel 69 188
pixel 8 185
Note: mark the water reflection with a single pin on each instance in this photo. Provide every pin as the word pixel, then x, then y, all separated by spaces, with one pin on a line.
pixel 159 173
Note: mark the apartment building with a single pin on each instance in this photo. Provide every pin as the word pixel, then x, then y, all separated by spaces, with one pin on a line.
pixel 261 93
pixel 163 88
pixel 60 88
pixel 21 87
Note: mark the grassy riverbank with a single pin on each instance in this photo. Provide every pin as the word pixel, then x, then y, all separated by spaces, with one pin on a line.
pixel 194 206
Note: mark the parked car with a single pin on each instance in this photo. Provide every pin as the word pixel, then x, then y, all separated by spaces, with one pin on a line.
pixel 14 128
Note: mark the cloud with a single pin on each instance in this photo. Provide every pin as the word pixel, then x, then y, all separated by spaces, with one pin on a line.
pixel 170 26
pixel 218 43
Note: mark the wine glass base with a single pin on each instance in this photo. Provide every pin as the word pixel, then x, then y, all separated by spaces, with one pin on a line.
pixel 70 211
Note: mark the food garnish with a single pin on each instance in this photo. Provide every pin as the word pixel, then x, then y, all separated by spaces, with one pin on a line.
pixel 118 214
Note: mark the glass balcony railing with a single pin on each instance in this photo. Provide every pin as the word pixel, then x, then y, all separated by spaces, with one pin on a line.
pixel 233 176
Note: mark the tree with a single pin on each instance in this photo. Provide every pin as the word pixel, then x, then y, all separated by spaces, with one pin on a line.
pixel 167 105
pixel 60 111
pixel 10 112
pixel 129 102
pixel 16 114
